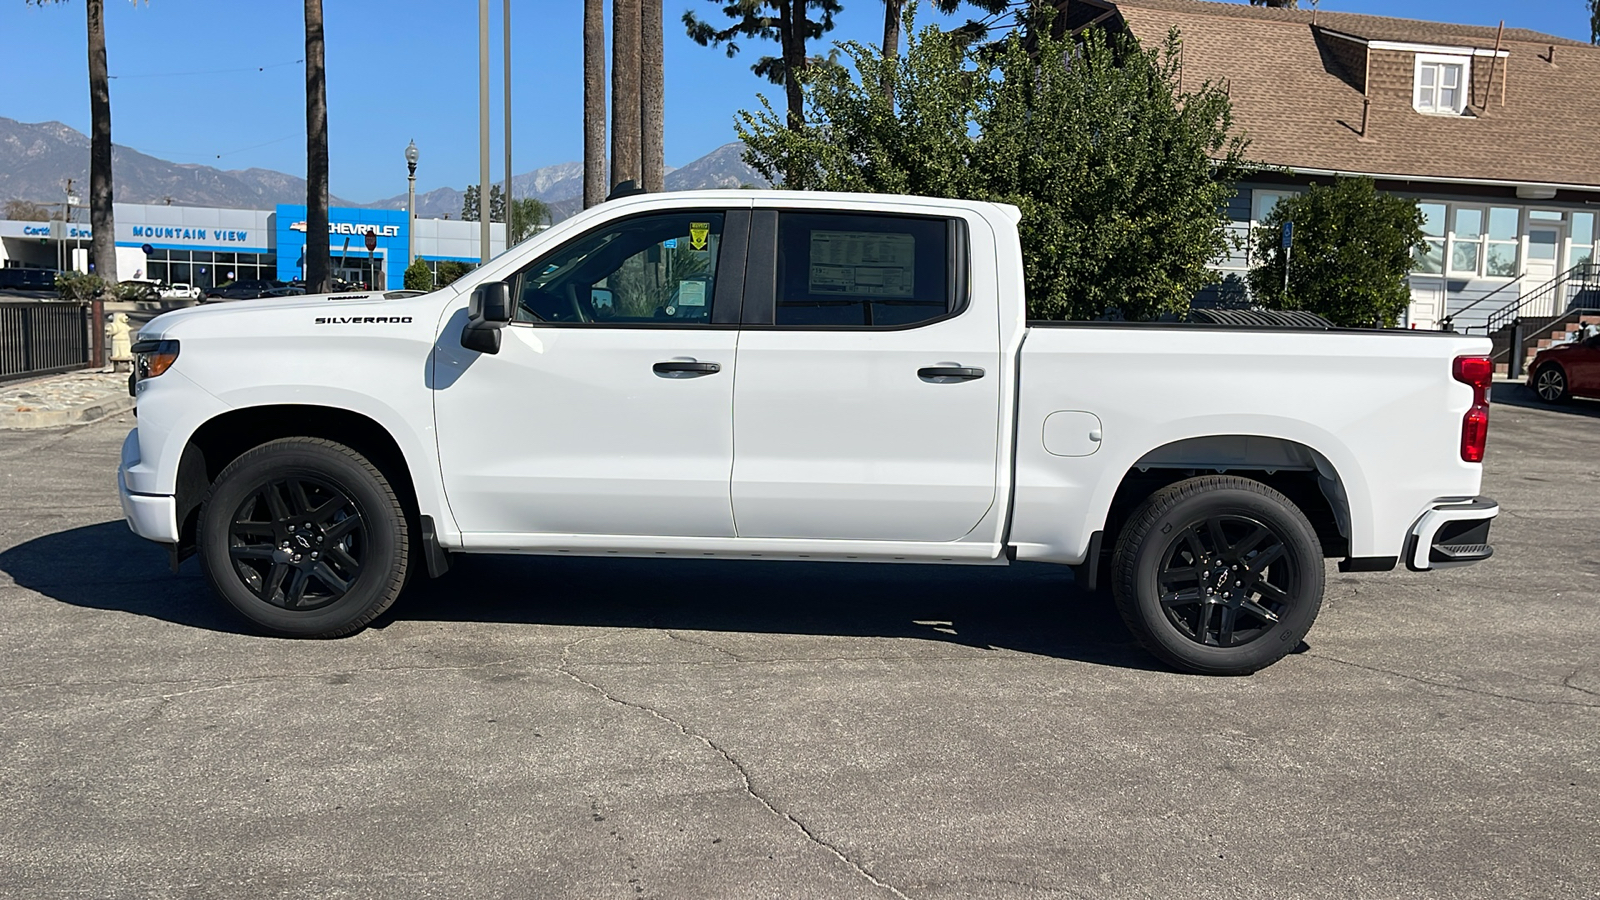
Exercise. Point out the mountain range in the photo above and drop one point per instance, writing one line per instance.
(36, 159)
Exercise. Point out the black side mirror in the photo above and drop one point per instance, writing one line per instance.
(488, 310)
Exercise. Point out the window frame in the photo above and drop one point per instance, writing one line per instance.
(1439, 62)
(727, 292)
(761, 274)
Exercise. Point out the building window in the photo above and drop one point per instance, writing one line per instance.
(1430, 259)
(1581, 252)
(1441, 84)
(1467, 241)
(1500, 258)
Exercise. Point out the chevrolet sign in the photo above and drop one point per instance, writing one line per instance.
(352, 228)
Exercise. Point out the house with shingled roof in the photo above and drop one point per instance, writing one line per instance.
(1491, 130)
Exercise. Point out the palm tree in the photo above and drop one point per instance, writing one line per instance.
(103, 240)
(652, 89)
(594, 103)
(318, 280)
(625, 119)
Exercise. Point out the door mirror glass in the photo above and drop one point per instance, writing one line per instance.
(604, 302)
(490, 303)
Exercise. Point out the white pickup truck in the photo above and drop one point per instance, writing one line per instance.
(783, 375)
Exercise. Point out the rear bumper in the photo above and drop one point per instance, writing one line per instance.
(1451, 534)
(150, 516)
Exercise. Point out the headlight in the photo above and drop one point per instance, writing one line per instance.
(151, 358)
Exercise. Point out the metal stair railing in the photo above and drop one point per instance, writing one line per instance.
(1448, 323)
(1560, 293)
(1525, 337)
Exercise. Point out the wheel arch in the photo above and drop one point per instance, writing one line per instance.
(223, 438)
(1297, 470)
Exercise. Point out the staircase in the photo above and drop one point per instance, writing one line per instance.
(1545, 315)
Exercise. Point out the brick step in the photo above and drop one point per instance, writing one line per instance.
(1589, 320)
(1502, 370)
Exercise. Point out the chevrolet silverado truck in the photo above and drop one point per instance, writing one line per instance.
(794, 376)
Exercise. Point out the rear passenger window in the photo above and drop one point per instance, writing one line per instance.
(840, 270)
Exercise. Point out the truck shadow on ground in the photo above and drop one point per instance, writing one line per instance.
(1030, 608)
(1509, 393)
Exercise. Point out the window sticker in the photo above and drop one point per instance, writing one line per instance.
(691, 293)
(698, 232)
(858, 263)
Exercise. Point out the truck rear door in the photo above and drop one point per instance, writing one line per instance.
(867, 404)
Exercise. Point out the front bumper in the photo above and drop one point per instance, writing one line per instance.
(1452, 533)
(150, 516)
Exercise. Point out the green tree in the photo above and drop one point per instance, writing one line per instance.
(1352, 248)
(470, 204)
(1594, 21)
(1281, 4)
(1120, 176)
(102, 242)
(450, 270)
(788, 22)
(528, 215)
(418, 276)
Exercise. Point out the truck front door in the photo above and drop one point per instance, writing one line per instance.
(608, 408)
(868, 400)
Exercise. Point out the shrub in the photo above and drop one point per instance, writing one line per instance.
(418, 276)
(1352, 248)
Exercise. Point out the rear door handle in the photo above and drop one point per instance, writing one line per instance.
(955, 373)
(685, 368)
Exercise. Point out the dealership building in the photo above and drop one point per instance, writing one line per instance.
(209, 247)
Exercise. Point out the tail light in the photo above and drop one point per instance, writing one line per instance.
(1477, 372)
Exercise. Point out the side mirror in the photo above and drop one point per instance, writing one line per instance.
(603, 302)
(490, 303)
(488, 310)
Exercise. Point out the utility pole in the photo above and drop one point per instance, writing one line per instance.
(483, 131)
(510, 207)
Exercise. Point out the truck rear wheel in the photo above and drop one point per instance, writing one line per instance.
(1218, 575)
(304, 537)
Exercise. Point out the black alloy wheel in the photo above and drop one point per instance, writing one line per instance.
(1550, 383)
(305, 537)
(1226, 581)
(1218, 575)
(297, 542)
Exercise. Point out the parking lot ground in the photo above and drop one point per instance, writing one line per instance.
(535, 727)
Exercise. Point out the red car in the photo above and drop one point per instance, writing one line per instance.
(1568, 370)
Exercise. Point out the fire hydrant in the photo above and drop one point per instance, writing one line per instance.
(117, 334)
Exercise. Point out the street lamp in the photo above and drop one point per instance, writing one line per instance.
(411, 203)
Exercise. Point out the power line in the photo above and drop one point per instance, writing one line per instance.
(210, 71)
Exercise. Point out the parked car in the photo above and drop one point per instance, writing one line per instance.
(31, 280)
(180, 291)
(577, 396)
(139, 289)
(286, 291)
(1568, 370)
(243, 290)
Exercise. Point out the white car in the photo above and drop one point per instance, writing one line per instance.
(784, 375)
(179, 291)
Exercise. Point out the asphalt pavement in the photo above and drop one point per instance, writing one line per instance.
(534, 727)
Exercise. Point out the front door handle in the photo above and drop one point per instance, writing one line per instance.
(954, 373)
(675, 368)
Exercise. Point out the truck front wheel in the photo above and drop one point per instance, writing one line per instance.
(1218, 575)
(305, 537)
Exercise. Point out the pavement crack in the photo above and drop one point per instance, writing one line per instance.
(1567, 682)
(1465, 690)
(707, 644)
(739, 767)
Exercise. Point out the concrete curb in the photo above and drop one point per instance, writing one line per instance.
(93, 411)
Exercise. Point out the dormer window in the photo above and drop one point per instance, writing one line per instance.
(1441, 84)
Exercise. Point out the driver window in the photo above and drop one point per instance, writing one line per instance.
(656, 269)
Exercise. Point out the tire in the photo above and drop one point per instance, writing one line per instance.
(305, 538)
(1550, 383)
(1239, 531)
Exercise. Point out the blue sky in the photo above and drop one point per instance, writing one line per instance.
(404, 69)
